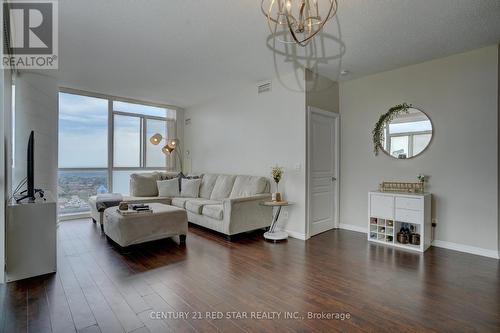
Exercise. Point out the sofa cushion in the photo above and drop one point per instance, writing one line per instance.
(245, 186)
(223, 187)
(213, 211)
(207, 185)
(190, 188)
(168, 188)
(196, 205)
(144, 184)
(180, 202)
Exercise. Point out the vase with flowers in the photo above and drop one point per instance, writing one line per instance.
(277, 174)
(422, 179)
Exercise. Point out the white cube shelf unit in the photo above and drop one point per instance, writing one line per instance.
(388, 212)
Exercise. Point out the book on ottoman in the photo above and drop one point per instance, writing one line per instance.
(134, 212)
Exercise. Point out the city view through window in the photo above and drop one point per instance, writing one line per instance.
(83, 147)
(75, 188)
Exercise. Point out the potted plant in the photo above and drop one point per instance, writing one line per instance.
(277, 174)
(422, 179)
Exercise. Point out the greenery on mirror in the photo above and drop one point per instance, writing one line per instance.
(385, 119)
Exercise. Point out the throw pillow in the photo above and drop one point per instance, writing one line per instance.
(190, 188)
(144, 184)
(182, 176)
(168, 188)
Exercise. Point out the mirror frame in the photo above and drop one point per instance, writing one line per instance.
(386, 118)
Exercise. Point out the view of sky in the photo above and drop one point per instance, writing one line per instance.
(83, 131)
(142, 109)
(409, 127)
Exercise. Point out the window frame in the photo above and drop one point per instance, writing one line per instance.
(171, 127)
(144, 139)
(410, 136)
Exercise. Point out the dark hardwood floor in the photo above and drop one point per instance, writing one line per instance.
(99, 288)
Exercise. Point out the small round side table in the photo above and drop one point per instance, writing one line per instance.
(273, 234)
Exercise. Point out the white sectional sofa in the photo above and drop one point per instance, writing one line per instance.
(229, 204)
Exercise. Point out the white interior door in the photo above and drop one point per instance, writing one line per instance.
(323, 140)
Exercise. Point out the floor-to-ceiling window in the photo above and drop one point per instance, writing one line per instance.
(102, 140)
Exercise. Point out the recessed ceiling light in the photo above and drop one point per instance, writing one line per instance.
(344, 72)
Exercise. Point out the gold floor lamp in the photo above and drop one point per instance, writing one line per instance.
(172, 145)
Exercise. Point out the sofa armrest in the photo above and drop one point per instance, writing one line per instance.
(246, 214)
(257, 197)
(94, 214)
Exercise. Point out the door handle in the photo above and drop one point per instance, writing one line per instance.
(334, 179)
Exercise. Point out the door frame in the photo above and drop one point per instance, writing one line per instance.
(336, 203)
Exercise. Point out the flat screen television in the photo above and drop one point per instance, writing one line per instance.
(30, 174)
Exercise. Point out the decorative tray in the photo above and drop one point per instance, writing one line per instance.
(402, 187)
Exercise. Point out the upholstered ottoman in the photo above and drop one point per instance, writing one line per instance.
(165, 221)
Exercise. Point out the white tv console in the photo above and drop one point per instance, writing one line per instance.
(31, 239)
(388, 211)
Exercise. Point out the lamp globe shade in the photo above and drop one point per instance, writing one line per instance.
(167, 150)
(156, 139)
(173, 143)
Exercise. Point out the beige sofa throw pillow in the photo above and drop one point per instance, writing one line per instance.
(168, 188)
(190, 188)
(144, 184)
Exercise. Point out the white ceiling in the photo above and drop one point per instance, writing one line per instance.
(184, 52)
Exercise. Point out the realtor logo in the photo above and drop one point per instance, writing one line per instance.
(30, 35)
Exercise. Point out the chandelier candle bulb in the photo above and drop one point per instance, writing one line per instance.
(303, 19)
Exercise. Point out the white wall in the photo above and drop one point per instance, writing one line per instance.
(5, 157)
(179, 133)
(2, 178)
(246, 133)
(37, 109)
(460, 94)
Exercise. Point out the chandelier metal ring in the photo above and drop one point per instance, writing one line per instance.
(303, 18)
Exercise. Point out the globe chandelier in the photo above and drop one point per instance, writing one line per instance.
(303, 19)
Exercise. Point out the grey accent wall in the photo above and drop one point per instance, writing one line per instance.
(322, 92)
(460, 95)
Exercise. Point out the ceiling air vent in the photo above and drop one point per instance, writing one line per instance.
(263, 87)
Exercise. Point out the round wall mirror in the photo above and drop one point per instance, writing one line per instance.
(407, 135)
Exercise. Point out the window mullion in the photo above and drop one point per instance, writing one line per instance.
(143, 143)
(111, 138)
(410, 145)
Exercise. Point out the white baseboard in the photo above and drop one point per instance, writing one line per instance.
(353, 227)
(71, 217)
(297, 235)
(439, 243)
(467, 249)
